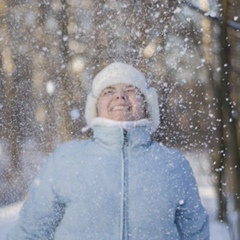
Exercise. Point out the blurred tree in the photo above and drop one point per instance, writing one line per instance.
(10, 126)
(65, 84)
(227, 155)
(230, 147)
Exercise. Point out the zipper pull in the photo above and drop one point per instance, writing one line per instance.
(125, 137)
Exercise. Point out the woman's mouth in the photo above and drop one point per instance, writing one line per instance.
(120, 108)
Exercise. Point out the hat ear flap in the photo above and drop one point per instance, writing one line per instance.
(153, 108)
(90, 109)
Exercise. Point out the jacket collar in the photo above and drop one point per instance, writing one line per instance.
(116, 133)
(99, 121)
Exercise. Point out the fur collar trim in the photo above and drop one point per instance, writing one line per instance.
(98, 121)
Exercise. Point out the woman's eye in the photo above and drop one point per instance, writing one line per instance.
(131, 90)
(108, 92)
(134, 91)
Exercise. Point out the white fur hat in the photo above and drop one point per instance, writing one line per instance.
(121, 73)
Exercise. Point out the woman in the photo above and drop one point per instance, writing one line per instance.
(120, 184)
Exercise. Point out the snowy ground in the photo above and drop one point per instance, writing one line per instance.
(200, 164)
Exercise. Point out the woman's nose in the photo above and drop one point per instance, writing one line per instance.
(120, 95)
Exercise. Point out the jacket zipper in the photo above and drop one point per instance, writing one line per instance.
(124, 188)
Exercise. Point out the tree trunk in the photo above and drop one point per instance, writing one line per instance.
(10, 118)
(226, 108)
(65, 100)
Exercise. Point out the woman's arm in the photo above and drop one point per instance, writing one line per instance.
(42, 210)
(191, 218)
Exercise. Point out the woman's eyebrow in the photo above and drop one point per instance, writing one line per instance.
(107, 88)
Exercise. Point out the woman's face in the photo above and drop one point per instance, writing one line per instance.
(121, 102)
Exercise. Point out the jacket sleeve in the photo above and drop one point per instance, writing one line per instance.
(191, 217)
(42, 211)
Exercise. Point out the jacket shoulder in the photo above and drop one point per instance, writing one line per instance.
(167, 152)
(71, 146)
(172, 158)
(71, 151)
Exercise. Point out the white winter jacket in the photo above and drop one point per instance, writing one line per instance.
(118, 186)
